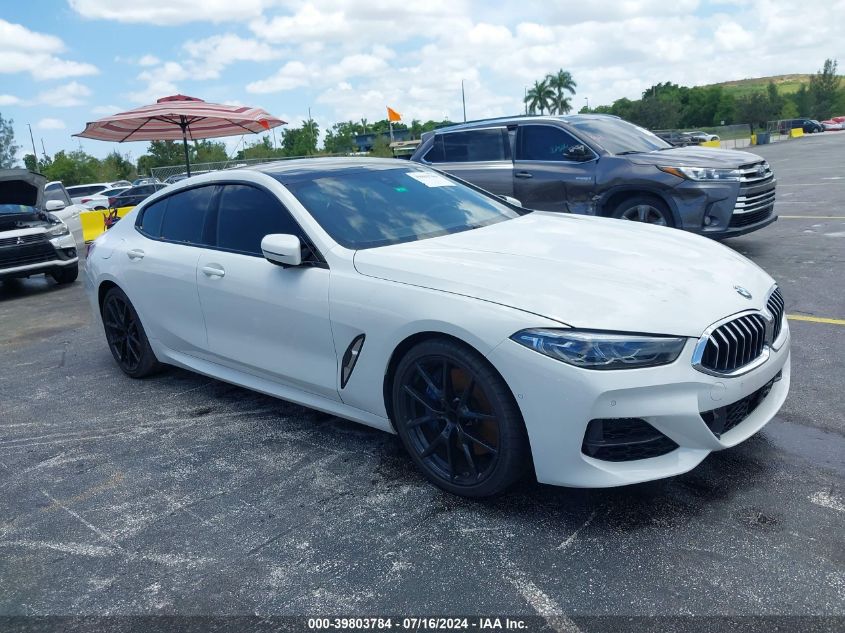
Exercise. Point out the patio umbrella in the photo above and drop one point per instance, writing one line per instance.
(180, 116)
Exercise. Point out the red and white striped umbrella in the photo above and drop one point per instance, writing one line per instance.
(180, 116)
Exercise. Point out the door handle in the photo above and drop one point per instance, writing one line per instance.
(523, 174)
(213, 270)
(135, 253)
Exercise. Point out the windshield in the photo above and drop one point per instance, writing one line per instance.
(618, 136)
(12, 209)
(362, 207)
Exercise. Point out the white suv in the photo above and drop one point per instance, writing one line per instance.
(33, 241)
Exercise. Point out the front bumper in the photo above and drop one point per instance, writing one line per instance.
(558, 401)
(55, 254)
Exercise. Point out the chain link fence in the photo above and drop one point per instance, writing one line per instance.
(178, 172)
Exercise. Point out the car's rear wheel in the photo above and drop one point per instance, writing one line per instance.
(458, 419)
(66, 275)
(126, 337)
(644, 209)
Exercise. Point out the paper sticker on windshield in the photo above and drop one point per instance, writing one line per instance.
(430, 179)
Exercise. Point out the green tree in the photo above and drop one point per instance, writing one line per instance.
(8, 149)
(789, 110)
(207, 151)
(824, 90)
(561, 82)
(776, 101)
(162, 154)
(803, 101)
(30, 162)
(341, 138)
(116, 166)
(753, 108)
(539, 97)
(381, 147)
(301, 141)
(72, 168)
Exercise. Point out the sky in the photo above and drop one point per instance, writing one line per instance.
(66, 62)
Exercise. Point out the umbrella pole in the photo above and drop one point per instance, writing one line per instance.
(185, 145)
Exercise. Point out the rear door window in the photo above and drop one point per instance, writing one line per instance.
(246, 214)
(470, 146)
(185, 215)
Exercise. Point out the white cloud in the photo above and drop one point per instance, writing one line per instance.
(211, 55)
(9, 100)
(170, 12)
(66, 95)
(50, 124)
(105, 110)
(291, 75)
(149, 60)
(23, 50)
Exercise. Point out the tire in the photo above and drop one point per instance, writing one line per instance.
(66, 275)
(467, 438)
(646, 209)
(126, 336)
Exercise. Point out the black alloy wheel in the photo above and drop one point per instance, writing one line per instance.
(458, 419)
(126, 337)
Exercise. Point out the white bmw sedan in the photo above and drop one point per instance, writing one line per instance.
(490, 338)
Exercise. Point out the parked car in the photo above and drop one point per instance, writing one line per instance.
(33, 241)
(175, 178)
(601, 165)
(78, 192)
(831, 125)
(134, 195)
(100, 201)
(809, 126)
(145, 180)
(490, 338)
(61, 205)
(697, 136)
(676, 138)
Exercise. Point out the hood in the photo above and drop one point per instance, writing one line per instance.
(586, 272)
(21, 187)
(696, 157)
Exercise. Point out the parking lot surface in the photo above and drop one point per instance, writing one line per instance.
(185, 495)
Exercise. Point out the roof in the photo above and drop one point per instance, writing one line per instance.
(308, 166)
(521, 118)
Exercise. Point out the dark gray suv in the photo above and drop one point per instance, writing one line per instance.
(601, 165)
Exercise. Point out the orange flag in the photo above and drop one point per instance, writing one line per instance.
(393, 115)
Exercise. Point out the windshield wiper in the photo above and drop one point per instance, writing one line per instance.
(630, 151)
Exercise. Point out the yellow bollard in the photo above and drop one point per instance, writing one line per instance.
(711, 144)
(796, 132)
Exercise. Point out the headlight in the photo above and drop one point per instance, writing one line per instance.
(702, 173)
(602, 350)
(58, 230)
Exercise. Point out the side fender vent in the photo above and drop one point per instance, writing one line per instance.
(350, 357)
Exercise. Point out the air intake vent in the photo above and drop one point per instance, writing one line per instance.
(350, 357)
(776, 306)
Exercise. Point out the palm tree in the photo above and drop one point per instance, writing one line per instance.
(560, 82)
(539, 97)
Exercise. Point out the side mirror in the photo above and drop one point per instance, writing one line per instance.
(513, 201)
(281, 249)
(579, 152)
(54, 205)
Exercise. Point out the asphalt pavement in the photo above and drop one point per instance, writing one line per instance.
(186, 496)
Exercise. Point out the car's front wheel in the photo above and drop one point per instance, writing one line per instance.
(126, 337)
(66, 275)
(458, 419)
(644, 209)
